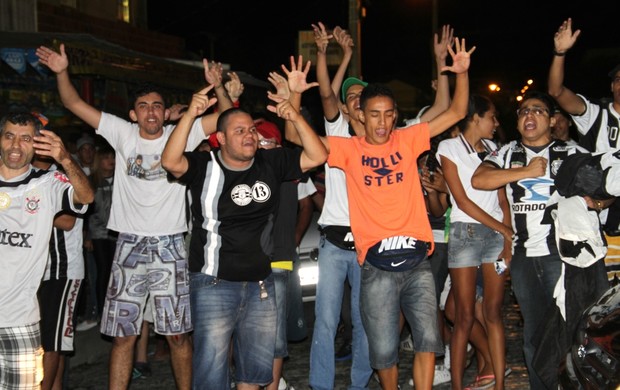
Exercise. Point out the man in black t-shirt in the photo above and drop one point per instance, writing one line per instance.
(235, 191)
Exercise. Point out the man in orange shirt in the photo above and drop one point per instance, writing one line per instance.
(390, 225)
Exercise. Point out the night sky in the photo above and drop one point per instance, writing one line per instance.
(514, 39)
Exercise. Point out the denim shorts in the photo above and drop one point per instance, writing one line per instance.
(280, 280)
(472, 244)
(383, 295)
(225, 312)
(147, 266)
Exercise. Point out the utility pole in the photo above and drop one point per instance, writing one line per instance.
(355, 28)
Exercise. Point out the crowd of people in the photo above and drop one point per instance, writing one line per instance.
(195, 213)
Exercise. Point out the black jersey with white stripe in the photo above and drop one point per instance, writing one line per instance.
(233, 212)
(530, 197)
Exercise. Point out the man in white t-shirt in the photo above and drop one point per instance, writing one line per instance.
(148, 211)
(29, 200)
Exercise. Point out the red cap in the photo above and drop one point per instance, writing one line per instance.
(268, 130)
(212, 140)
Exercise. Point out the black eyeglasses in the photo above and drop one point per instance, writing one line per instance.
(536, 111)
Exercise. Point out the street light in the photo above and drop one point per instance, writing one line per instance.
(494, 87)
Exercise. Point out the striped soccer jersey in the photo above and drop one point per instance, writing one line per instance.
(599, 125)
(28, 205)
(530, 197)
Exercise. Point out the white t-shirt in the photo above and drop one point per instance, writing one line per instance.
(336, 206)
(28, 204)
(144, 201)
(305, 189)
(466, 159)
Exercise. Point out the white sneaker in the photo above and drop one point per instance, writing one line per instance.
(442, 375)
(446, 357)
(407, 344)
(282, 385)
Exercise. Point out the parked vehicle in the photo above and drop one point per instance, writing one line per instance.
(594, 359)
(308, 255)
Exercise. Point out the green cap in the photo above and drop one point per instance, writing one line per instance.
(348, 83)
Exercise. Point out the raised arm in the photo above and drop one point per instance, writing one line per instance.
(234, 87)
(49, 144)
(172, 158)
(345, 41)
(442, 94)
(213, 76)
(297, 84)
(329, 99)
(458, 108)
(71, 99)
(314, 152)
(490, 177)
(563, 41)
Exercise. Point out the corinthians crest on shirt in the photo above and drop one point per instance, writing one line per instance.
(32, 199)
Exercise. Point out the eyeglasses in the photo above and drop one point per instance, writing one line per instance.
(266, 142)
(537, 111)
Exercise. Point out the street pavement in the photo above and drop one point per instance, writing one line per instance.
(89, 368)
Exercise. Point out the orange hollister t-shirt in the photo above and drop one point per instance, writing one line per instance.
(383, 185)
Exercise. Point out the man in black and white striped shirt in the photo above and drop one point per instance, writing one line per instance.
(527, 168)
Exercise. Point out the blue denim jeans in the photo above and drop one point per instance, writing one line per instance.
(533, 281)
(383, 295)
(223, 310)
(280, 281)
(335, 265)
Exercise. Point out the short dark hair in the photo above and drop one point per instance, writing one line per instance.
(144, 89)
(478, 104)
(375, 90)
(222, 120)
(543, 97)
(22, 119)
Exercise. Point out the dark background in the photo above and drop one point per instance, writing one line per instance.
(514, 39)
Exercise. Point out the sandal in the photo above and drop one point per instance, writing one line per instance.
(482, 386)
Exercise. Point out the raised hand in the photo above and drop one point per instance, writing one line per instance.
(344, 39)
(461, 59)
(321, 37)
(440, 46)
(281, 85)
(53, 60)
(297, 77)
(176, 111)
(200, 102)
(285, 110)
(213, 72)
(234, 86)
(49, 144)
(564, 38)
